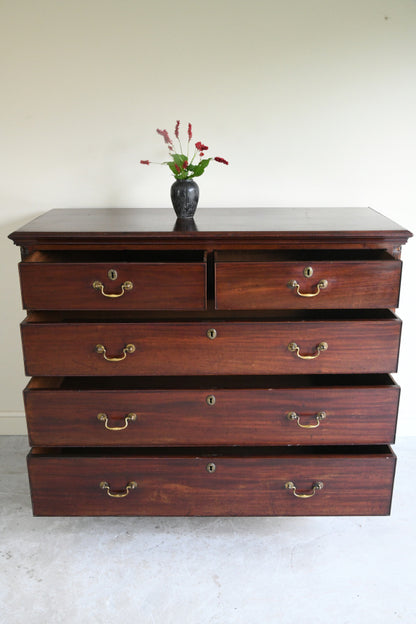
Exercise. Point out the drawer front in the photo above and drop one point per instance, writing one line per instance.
(212, 416)
(240, 348)
(138, 286)
(283, 285)
(358, 484)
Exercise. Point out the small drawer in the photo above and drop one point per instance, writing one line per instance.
(313, 279)
(125, 280)
(242, 411)
(213, 482)
(366, 342)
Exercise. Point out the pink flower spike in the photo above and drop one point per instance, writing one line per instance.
(145, 162)
(165, 135)
(189, 131)
(185, 164)
(177, 129)
(221, 160)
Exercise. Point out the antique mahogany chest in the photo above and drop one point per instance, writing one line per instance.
(238, 364)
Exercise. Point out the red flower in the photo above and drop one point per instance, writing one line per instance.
(165, 135)
(178, 161)
(201, 147)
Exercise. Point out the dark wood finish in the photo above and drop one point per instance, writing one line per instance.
(239, 260)
(177, 414)
(265, 285)
(250, 224)
(69, 286)
(245, 485)
(183, 348)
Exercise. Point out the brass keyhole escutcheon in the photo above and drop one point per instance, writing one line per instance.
(112, 274)
(211, 467)
(308, 271)
(212, 333)
(211, 399)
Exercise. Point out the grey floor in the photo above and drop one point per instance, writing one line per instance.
(205, 570)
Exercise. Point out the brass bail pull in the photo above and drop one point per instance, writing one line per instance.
(318, 417)
(97, 285)
(317, 485)
(130, 348)
(129, 417)
(322, 346)
(131, 485)
(320, 286)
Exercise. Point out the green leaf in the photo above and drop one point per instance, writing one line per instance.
(172, 167)
(199, 169)
(179, 159)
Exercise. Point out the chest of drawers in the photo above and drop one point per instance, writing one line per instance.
(238, 364)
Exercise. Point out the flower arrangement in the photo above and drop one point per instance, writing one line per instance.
(181, 165)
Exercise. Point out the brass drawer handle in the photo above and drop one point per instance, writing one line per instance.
(317, 485)
(130, 348)
(320, 286)
(124, 287)
(322, 346)
(319, 416)
(104, 418)
(131, 485)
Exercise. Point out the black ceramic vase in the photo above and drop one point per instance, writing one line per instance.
(184, 195)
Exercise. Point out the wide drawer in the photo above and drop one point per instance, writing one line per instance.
(312, 279)
(331, 344)
(114, 281)
(214, 483)
(305, 410)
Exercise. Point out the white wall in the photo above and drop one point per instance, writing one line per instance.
(312, 101)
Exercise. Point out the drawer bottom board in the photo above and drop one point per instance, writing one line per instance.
(214, 482)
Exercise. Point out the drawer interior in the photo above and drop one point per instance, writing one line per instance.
(128, 316)
(124, 255)
(382, 450)
(281, 255)
(236, 382)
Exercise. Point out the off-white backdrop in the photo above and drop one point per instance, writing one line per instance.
(312, 101)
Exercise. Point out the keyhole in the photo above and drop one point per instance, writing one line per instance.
(308, 271)
(211, 399)
(112, 274)
(212, 333)
(211, 467)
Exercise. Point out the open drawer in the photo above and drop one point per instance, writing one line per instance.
(246, 280)
(216, 411)
(114, 280)
(307, 342)
(213, 482)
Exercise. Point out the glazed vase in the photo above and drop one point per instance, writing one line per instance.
(184, 195)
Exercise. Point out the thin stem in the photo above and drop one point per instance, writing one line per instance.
(193, 157)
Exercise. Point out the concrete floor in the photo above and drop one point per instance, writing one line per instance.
(205, 570)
